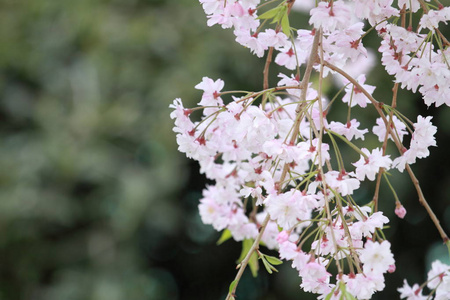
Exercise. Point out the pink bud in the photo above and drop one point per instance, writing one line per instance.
(283, 236)
(400, 211)
(391, 269)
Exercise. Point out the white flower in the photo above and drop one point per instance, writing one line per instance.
(377, 257)
(380, 129)
(367, 225)
(330, 17)
(436, 274)
(371, 165)
(355, 96)
(349, 130)
(443, 290)
(411, 293)
(315, 277)
(344, 184)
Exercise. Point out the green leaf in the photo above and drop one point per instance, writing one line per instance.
(246, 245)
(270, 13)
(280, 14)
(344, 294)
(266, 265)
(226, 235)
(273, 260)
(253, 264)
(285, 25)
(349, 296)
(328, 297)
(232, 285)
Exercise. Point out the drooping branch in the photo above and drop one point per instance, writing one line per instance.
(400, 147)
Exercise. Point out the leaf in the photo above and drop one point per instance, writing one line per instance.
(232, 285)
(226, 235)
(328, 297)
(253, 263)
(266, 265)
(344, 294)
(270, 13)
(350, 296)
(273, 260)
(285, 25)
(280, 14)
(246, 245)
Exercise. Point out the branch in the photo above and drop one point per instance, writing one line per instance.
(244, 262)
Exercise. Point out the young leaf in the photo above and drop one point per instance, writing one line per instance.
(349, 296)
(270, 13)
(281, 12)
(253, 263)
(266, 265)
(285, 25)
(232, 285)
(273, 260)
(328, 297)
(226, 235)
(246, 245)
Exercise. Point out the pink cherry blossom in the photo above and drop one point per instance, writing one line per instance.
(315, 277)
(371, 164)
(331, 17)
(380, 129)
(354, 96)
(349, 130)
(411, 293)
(437, 273)
(377, 257)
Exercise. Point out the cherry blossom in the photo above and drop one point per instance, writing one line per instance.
(354, 96)
(276, 156)
(371, 164)
(377, 257)
(411, 293)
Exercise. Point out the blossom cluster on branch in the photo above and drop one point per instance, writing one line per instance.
(276, 159)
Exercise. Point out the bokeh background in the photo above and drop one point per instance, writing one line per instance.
(95, 201)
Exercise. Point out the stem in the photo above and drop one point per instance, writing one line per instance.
(424, 202)
(319, 151)
(244, 263)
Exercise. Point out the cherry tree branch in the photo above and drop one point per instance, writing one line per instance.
(245, 261)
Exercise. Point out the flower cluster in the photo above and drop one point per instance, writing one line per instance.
(274, 157)
(438, 282)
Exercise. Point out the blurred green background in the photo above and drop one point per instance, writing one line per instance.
(95, 201)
